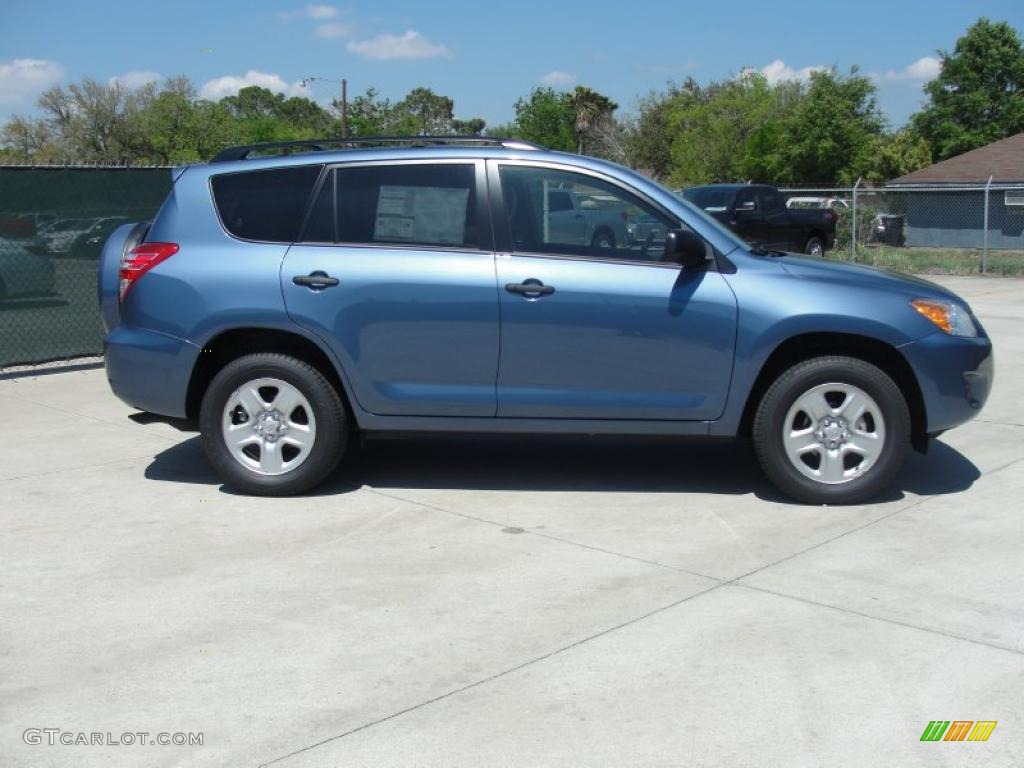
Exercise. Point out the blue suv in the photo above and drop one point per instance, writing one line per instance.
(290, 301)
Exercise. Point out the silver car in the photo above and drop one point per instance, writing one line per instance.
(22, 272)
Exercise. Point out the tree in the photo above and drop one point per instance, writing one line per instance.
(544, 117)
(728, 130)
(29, 140)
(97, 122)
(179, 129)
(978, 96)
(472, 127)
(368, 114)
(831, 133)
(423, 112)
(649, 137)
(899, 153)
(592, 113)
(263, 115)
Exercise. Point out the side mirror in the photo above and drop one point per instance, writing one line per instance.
(685, 248)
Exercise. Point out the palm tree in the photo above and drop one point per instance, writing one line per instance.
(591, 109)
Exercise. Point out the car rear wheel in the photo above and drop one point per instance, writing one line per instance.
(832, 430)
(815, 246)
(603, 239)
(272, 425)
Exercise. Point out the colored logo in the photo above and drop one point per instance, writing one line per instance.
(958, 730)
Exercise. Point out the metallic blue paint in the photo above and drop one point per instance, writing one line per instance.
(614, 341)
(149, 370)
(428, 339)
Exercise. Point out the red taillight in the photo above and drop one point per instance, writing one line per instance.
(140, 259)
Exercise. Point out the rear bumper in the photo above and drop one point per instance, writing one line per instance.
(955, 375)
(149, 370)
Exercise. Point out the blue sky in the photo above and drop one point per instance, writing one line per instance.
(484, 55)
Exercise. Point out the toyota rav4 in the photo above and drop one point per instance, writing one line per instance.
(289, 301)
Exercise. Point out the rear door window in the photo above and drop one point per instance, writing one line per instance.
(265, 205)
(423, 204)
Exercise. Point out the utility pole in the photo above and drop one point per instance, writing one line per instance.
(344, 108)
(344, 98)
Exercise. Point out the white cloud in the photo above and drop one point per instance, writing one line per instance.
(411, 45)
(779, 71)
(316, 12)
(229, 85)
(135, 79)
(333, 29)
(924, 69)
(320, 12)
(21, 79)
(556, 78)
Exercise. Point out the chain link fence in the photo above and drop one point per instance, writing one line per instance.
(53, 222)
(958, 229)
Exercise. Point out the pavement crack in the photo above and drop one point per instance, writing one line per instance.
(497, 675)
(862, 614)
(119, 425)
(552, 537)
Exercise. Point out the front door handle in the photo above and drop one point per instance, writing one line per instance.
(531, 288)
(315, 280)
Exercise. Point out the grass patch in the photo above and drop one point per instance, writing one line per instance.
(935, 261)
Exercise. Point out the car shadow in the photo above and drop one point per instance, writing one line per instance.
(588, 464)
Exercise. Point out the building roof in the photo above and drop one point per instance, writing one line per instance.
(1002, 160)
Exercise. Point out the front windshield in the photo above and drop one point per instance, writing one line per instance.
(708, 219)
(714, 199)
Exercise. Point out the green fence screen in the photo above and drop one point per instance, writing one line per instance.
(53, 222)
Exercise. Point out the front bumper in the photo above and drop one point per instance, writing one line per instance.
(955, 375)
(149, 370)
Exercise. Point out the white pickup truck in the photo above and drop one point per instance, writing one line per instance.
(575, 219)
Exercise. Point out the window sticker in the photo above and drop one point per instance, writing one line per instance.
(433, 215)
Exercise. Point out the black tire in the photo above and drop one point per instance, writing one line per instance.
(774, 407)
(332, 424)
(603, 238)
(815, 246)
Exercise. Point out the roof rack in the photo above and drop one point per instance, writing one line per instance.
(319, 145)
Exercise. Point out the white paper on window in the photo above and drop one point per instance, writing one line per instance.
(433, 215)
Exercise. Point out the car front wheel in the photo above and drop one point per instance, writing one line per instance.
(832, 430)
(272, 425)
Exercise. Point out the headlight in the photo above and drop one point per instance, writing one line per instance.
(951, 317)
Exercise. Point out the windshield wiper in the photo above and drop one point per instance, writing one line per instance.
(759, 251)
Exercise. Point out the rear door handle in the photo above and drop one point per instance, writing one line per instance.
(531, 288)
(315, 280)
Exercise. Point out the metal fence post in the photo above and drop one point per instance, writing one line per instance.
(984, 246)
(853, 224)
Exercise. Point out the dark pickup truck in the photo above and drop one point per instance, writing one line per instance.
(758, 214)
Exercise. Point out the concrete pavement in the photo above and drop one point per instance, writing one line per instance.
(506, 601)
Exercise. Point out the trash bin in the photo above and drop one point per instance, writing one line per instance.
(889, 230)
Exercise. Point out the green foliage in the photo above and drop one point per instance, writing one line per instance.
(714, 128)
(592, 114)
(649, 139)
(567, 122)
(545, 117)
(978, 97)
(831, 133)
(897, 154)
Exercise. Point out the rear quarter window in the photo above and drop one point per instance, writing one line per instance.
(410, 204)
(265, 205)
